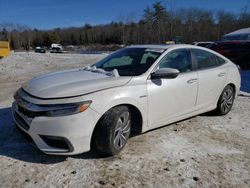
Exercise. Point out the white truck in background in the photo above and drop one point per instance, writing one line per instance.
(56, 48)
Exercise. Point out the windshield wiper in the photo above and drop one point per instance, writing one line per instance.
(113, 73)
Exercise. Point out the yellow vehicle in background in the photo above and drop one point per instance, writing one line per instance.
(170, 42)
(4, 48)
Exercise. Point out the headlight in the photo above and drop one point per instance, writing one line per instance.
(52, 110)
(67, 109)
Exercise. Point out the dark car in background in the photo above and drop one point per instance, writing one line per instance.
(236, 51)
(40, 49)
(236, 47)
(203, 44)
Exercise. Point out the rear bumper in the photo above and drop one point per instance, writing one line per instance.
(64, 135)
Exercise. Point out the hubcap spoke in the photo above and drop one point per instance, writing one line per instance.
(120, 142)
(125, 117)
(123, 140)
(126, 128)
(229, 92)
(118, 125)
(230, 98)
(226, 106)
(116, 141)
(224, 95)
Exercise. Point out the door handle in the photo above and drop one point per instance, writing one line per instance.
(221, 74)
(192, 80)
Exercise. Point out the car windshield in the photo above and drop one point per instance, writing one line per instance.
(130, 61)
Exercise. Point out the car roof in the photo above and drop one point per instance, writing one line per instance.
(159, 46)
(240, 31)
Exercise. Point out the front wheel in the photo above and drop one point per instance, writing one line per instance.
(226, 100)
(112, 131)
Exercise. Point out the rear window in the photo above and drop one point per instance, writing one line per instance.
(206, 59)
(220, 61)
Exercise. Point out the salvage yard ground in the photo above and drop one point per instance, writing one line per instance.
(203, 151)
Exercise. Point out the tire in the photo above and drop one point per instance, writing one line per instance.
(225, 101)
(112, 131)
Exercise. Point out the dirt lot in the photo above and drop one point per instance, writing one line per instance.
(203, 151)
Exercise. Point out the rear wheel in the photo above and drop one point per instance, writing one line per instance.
(226, 100)
(112, 131)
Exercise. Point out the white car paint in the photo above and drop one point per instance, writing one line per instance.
(70, 83)
(159, 102)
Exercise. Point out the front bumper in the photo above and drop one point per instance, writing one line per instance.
(64, 135)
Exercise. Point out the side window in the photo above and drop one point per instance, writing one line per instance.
(178, 59)
(205, 59)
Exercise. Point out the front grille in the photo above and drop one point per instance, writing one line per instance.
(21, 122)
(29, 113)
(25, 107)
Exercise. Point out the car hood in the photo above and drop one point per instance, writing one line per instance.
(71, 83)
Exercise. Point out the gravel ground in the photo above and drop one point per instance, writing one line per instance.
(203, 151)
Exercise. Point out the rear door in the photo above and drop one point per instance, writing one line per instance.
(212, 74)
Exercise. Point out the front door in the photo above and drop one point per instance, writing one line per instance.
(169, 99)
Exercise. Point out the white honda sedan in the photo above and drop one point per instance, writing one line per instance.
(133, 90)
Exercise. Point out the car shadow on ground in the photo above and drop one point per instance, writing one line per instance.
(15, 146)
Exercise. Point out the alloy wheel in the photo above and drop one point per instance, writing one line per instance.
(122, 130)
(227, 100)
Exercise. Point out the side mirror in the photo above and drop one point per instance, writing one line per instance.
(167, 73)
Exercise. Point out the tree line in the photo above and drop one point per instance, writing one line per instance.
(158, 24)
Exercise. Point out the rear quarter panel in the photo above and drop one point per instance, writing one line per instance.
(234, 77)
